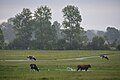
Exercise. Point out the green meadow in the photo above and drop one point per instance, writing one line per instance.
(53, 66)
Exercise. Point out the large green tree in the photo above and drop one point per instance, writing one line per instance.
(22, 28)
(73, 33)
(43, 28)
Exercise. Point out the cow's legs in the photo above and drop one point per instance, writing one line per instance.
(86, 69)
(81, 69)
(78, 69)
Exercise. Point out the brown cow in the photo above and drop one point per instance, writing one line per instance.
(83, 67)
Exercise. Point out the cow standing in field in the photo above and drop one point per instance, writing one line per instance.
(31, 58)
(83, 67)
(104, 56)
(34, 67)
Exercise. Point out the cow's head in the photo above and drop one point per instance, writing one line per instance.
(89, 66)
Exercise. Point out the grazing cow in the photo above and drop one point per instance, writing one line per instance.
(34, 67)
(83, 67)
(104, 56)
(31, 58)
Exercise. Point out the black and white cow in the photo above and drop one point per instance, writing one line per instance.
(104, 56)
(34, 67)
(31, 58)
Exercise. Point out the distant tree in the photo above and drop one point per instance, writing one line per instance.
(43, 28)
(73, 33)
(56, 32)
(1, 39)
(61, 44)
(8, 32)
(22, 28)
(98, 43)
(112, 35)
(90, 34)
(57, 27)
(100, 33)
(18, 44)
(118, 47)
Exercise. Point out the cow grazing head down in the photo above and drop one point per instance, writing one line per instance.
(104, 56)
(31, 58)
(34, 67)
(83, 67)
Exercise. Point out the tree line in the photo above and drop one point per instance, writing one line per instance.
(36, 31)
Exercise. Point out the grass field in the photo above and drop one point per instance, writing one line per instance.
(19, 70)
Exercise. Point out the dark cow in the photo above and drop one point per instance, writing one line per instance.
(34, 67)
(104, 56)
(83, 67)
(31, 58)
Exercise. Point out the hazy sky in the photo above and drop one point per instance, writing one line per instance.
(96, 14)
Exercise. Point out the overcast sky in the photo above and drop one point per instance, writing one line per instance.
(96, 14)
